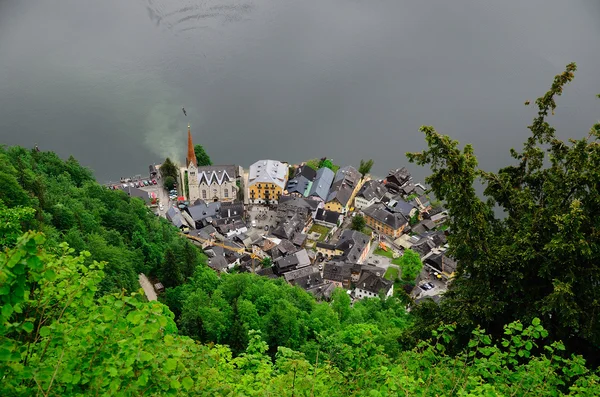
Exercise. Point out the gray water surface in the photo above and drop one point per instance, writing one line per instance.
(288, 79)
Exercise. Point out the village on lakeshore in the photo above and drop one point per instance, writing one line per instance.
(316, 225)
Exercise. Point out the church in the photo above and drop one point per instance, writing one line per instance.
(211, 182)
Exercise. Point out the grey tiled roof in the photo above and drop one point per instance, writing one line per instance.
(352, 243)
(299, 185)
(327, 216)
(322, 183)
(372, 189)
(337, 271)
(382, 214)
(371, 283)
(203, 210)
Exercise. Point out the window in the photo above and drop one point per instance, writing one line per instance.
(225, 192)
(203, 193)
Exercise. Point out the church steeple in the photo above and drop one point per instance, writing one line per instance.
(191, 155)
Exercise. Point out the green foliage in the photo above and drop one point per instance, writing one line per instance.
(382, 252)
(168, 168)
(63, 200)
(169, 183)
(266, 262)
(365, 167)
(410, 264)
(201, 156)
(358, 223)
(326, 163)
(540, 259)
(391, 273)
(58, 338)
(414, 219)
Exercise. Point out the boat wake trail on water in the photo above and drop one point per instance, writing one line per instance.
(185, 16)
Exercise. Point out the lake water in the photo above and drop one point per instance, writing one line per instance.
(289, 80)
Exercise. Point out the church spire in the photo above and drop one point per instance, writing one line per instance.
(191, 155)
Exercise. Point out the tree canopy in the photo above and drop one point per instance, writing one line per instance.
(539, 259)
(358, 223)
(201, 156)
(168, 168)
(365, 167)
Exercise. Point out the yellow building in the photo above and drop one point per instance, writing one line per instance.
(379, 218)
(266, 181)
(345, 186)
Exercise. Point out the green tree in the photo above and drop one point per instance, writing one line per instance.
(266, 262)
(169, 183)
(540, 259)
(340, 303)
(358, 223)
(326, 163)
(411, 265)
(171, 274)
(201, 156)
(365, 167)
(12, 223)
(168, 168)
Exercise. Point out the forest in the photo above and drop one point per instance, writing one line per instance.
(521, 317)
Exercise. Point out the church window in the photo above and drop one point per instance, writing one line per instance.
(203, 194)
(225, 192)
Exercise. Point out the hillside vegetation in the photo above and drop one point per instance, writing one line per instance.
(518, 319)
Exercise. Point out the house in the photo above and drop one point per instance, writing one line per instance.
(343, 189)
(298, 273)
(354, 245)
(405, 208)
(398, 177)
(381, 219)
(327, 250)
(428, 241)
(322, 292)
(338, 273)
(288, 202)
(328, 218)
(370, 193)
(266, 181)
(139, 193)
(202, 212)
(299, 239)
(370, 286)
(174, 216)
(413, 189)
(442, 263)
(301, 183)
(218, 263)
(319, 189)
(288, 263)
(299, 186)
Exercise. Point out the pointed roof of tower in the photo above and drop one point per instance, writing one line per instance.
(191, 154)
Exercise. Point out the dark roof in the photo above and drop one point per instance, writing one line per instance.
(310, 280)
(337, 271)
(139, 193)
(295, 274)
(299, 185)
(442, 262)
(378, 271)
(218, 263)
(401, 206)
(352, 243)
(174, 216)
(429, 224)
(324, 245)
(231, 209)
(327, 216)
(398, 176)
(203, 210)
(371, 283)
(419, 228)
(266, 272)
(286, 247)
(322, 183)
(306, 172)
(346, 179)
(423, 246)
(382, 214)
(208, 229)
(322, 291)
(372, 189)
(299, 239)
(286, 263)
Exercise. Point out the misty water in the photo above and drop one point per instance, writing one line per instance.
(289, 80)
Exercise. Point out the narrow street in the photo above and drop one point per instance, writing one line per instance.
(147, 286)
